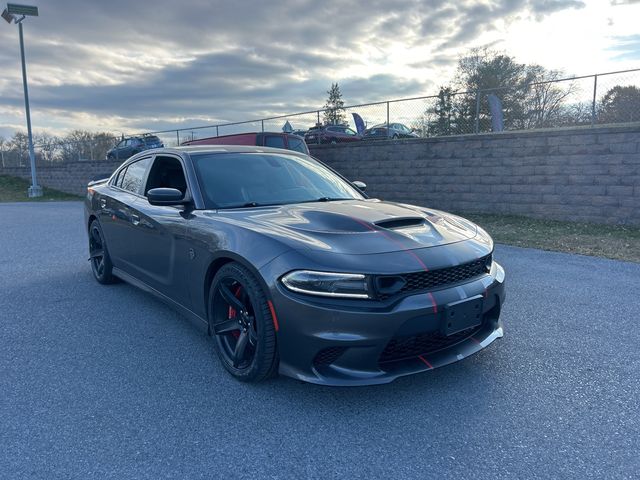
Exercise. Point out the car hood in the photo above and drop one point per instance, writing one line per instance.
(352, 226)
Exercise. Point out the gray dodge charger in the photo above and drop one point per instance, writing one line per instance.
(291, 268)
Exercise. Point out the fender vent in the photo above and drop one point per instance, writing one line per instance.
(395, 223)
(328, 355)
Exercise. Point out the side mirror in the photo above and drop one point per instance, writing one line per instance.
(359, 185)
(165, 196)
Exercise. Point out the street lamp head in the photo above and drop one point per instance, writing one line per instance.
(25, 10)
(7, 16)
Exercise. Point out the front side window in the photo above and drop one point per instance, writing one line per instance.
(132, 178)
(233, 180)
(166, 172)
(348, 131)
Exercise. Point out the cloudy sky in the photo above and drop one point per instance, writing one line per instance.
(124, 66)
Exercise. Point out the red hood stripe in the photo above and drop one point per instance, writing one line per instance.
(425, 361)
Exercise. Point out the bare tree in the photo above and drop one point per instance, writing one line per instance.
(545, 97)
(20, 143)
(47, 145)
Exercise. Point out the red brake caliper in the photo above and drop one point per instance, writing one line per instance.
(232, 311)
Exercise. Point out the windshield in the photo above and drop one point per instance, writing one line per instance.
(233, 180)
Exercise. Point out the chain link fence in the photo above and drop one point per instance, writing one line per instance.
(601, 99)
(593, 100)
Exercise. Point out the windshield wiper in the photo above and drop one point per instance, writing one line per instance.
(330, 199)
(249, 205)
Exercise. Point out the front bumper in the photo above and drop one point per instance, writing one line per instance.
(347, 343)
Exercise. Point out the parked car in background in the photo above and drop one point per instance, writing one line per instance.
(129, 146)
(300, 133)
(288, 141)
(395, 130)
(331, 134)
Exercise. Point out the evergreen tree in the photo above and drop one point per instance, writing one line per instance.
(443, 113)
(620, 104)
(334, 108)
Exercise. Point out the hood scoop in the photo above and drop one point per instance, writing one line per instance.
(399, 223)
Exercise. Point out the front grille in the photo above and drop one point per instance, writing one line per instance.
(400, 348)
(328, 355)
(429, 280)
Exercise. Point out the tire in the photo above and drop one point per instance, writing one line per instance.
(101, 265)
(244, 337)
(395, 136)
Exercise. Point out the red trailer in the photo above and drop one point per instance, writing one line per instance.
(266, 139)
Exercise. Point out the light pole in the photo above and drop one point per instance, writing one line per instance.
(16, 13)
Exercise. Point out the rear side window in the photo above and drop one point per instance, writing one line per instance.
(117, 182)
(274, 141)
(132, 178)
(297, 145)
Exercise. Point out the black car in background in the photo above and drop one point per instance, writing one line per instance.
(291, 268)
(395, 130)
(300, 133)
(129, 146)
(331, 134)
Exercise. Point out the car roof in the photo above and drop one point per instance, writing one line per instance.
(224, 149)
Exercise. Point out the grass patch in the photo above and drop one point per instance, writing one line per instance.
(610, 241)
(14, 189)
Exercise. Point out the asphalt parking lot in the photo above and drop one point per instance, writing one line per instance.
(108, 382)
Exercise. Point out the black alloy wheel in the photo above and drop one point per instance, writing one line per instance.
(99, 255)
(242, 325)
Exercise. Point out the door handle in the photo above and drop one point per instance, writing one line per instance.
(135, 219)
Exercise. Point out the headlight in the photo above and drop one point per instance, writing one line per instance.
(326, 284)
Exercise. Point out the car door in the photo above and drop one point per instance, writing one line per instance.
(118, 150)
(128, 148)
(351, 135)
(137, 145)
(117, 209)
(159, 251)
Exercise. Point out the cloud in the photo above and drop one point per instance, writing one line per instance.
(626, 47)
(142, 63)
